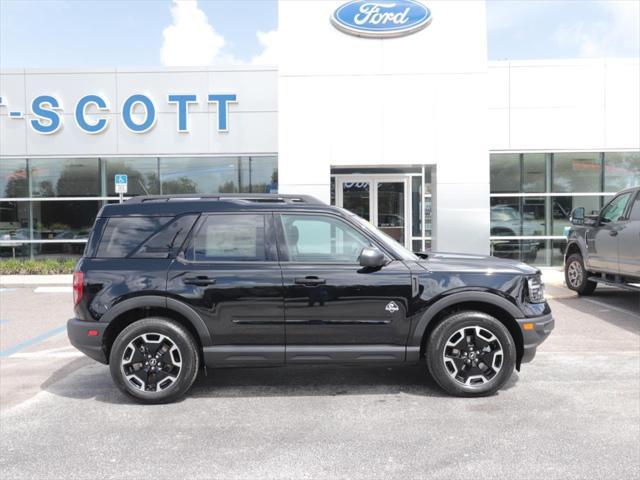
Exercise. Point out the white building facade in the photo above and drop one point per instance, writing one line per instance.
(419, 134)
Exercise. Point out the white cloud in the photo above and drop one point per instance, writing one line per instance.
(191, 41)
(269, 43)
(617, 34)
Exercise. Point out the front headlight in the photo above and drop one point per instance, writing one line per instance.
(535, 289)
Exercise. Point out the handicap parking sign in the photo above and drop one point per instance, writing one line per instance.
(121, 183)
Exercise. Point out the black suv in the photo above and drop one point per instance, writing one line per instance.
(168, 284)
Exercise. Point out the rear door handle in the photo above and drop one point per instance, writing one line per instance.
(310, 281)
(200, 280)
(613, 233)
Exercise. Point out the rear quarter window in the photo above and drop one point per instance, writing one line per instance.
(123, 235)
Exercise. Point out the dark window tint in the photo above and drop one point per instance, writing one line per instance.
(229, 238)
(123, 235)
(171, 237)
(635, 210)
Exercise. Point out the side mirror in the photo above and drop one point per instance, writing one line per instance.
(577, 216)
(371, 257)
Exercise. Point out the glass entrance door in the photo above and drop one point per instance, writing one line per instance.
(390, 209)
(382, 200)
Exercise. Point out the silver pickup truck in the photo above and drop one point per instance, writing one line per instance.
(605, 247)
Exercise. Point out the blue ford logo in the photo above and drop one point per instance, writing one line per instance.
(381, 18)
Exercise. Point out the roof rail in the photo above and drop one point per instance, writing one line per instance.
(235, 198)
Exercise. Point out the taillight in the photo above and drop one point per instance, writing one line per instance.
(78, 289)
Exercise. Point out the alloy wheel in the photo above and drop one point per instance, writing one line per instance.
(151, 362)
(473, 356)
(575, 274)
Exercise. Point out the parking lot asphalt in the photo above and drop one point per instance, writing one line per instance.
(572, 413)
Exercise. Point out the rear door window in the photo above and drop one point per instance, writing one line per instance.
(229, 238)
(123, 235)
(168, 240)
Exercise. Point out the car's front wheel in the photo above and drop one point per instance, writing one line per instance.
(470, 354)
(154, 360)
(576, 276)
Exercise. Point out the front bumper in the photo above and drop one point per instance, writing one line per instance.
(532, 337)
(90, 345)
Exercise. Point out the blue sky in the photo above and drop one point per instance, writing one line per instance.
(95, 33)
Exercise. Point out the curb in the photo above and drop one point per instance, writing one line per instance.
(35, 280)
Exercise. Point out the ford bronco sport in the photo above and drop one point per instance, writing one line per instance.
(168, 285)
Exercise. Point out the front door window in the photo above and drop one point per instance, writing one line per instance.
(322, 239)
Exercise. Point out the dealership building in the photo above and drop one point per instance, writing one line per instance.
(418, 133)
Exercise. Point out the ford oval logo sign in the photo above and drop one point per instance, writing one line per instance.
(381, 18)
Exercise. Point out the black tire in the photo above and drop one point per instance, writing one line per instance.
(181, 359)
(576, 276)
(449, 373)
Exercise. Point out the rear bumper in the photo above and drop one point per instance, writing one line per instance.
(533, 337)
(91, 346)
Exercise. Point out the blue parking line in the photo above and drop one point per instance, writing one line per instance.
(33, 341)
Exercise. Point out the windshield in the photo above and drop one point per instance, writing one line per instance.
(388, 242)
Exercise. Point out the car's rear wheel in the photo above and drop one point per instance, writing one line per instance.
(576, 276)
(470, 354)
(154, 360)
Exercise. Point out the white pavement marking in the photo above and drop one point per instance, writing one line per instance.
(611, 307)
(40, 355)
(62, 352)
(53, 290)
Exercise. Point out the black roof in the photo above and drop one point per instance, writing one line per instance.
(177, 204)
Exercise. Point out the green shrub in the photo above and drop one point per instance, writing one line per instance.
(48, 266)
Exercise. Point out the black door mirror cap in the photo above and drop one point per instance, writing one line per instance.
(371, 257)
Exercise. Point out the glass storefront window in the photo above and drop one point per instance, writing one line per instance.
(621, 170)
(561, 208)
(533, 216)
(259, 175)
(505, 173)
(416, 210)
(577, 172)
(13, 178)
(534, 172)
(506, 220)
(65, 177)
(59, 220)
(142, 172)
(200, 175)
(14, 227)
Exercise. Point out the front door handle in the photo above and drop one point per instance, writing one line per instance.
(613, 233)
(200, 280)
(310, 281)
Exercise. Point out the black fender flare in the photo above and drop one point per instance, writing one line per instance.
(581, 248)
(454, 299)
(159, 301)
